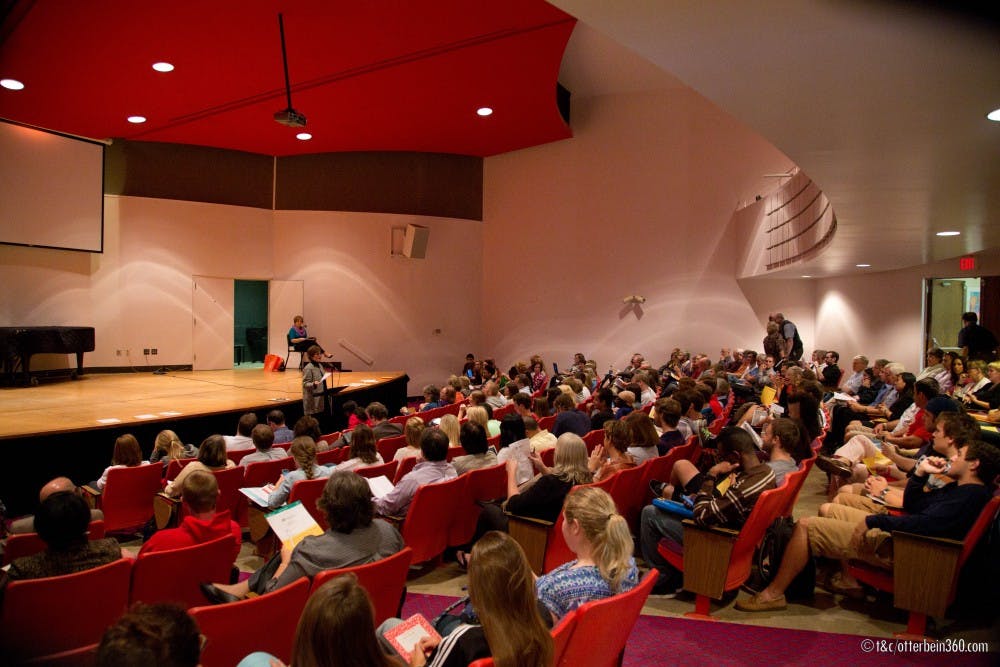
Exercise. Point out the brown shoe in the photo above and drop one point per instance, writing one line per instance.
(835, 466)
(835, 584)
(756, 604)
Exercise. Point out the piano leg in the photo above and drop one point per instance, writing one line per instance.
(79, 365)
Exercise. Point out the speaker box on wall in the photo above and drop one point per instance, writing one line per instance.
(415, 241)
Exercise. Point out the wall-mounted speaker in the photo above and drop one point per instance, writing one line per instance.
(415, 241)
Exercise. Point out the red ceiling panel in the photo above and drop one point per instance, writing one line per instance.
(368, 76)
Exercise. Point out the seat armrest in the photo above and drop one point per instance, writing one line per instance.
(92, 496)
(924, 572)
(165, 510)
(707, 554)
(539, 522)
(718, 530)
(533, 536)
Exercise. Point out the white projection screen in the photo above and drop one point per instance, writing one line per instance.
(51, 189)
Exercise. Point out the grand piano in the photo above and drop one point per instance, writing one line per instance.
(19, 344)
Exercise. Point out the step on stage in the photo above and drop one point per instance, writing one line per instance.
(69, 427)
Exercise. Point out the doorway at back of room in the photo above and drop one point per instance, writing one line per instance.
(250, 323)
(948, 298)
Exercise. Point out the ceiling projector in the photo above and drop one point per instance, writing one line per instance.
(290, 117)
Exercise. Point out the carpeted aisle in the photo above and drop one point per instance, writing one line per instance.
(666, 640)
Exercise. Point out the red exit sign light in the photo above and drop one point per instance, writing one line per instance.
(967, 263)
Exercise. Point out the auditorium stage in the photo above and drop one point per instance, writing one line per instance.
(69, 427)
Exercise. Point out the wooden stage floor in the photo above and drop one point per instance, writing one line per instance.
(115, 400)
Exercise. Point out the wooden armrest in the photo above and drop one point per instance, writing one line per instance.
(533, 536)
(92, 496)
(165, 510)
(707, 552)
(540, 522)
(924, 572)
(689, 524)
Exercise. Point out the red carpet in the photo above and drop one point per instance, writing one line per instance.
(662, 640)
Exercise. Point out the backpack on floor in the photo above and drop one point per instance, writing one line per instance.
(767, 558)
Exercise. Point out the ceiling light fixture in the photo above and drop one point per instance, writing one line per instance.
(862, 266)
(11, 84)
(303, 136)
(994, 115)
(484, 111)
(807, 276)
(163, 67)
(137, 119)
(949, 233)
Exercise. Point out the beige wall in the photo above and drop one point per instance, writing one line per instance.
(637, 202)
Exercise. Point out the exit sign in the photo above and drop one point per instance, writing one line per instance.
(967, 263)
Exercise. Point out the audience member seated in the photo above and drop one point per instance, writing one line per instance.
(848, 533)
(355, 537)
(448, 424)
(336, 628)
(600, 539)
(62, 522)
(783, 443)
(523, 404)
(211, 457)
(476, 397)
(515, 446)
(168, 447)
(263, 439)
(852, 381)
(624, 403)
(432, 399)
(433, 468)
(413, 429)
(612, 457)
(878, 407)
(952, 430)
(730, 510)
(303, 451)
(540, 438)
(935, 369)
(493, 396)
(540, 405)
(477, 450)
(643, 438)
(276, 420)
(668, 416)
(243, 439)
(202, 523)
(127, 454)
(362, 453)
(987, 398)
(972, 380)
(603, 408)
(309, 426)
(923, 391)
(480, 414)
(568, 418)
(26, 524)
(830, 374)
(539, 380)
(156, 635)
(510, 626)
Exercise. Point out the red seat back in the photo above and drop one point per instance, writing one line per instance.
(309, 491)
(229, 628)
(481, 484)
(331, 457)
(794, 481)
(767, 508)
(545, 423)
(977, 530)
(330, 438)
(175, 466)
(55, 614)
(453, 452)
(548, 456)
(603, 626)
(561, 635)
(405, 466)
(266, 472)
(629, 493)
(230, 480)
(26, 544)
(494, 442)
(429, 518)
(127, 500)
(387, 447)
(385, 581)
(500, 413)
(593, 439)
(174, 575)
(387, 469)
(557, 551)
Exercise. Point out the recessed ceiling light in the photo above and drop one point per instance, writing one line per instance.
(484, 111)
(303, 136)
(862, 266)
(807, 276)
(163, 67)
(137, 119)
(11, 84)
(951, 233)
(994, 115)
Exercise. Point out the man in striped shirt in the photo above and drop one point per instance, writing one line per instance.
(730, 507)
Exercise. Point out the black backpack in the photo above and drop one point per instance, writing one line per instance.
(767, 558)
